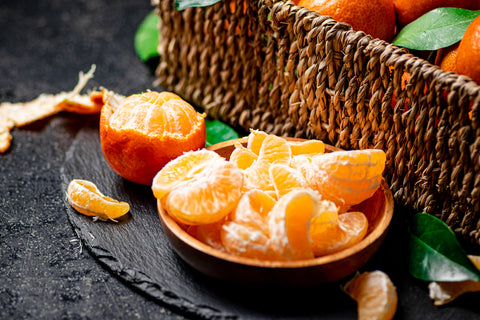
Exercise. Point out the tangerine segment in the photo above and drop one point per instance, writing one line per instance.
(85, 197)
(180, 169)
(208, 234)
(242, 157)
(252, 209)
(375, 295)
(289, 223)
(347, 177)
(308, 147)
(255, 140)
(247, 241)
(349, 229)
(273, 150)
(142, 132)
(285, 179)
(207, 195)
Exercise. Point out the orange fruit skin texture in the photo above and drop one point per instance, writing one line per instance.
(148, 130)
(374, 17)
(468, 56)
(409, 10)
(449, 59)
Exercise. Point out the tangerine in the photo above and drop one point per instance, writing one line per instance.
(346, 177)
(375, 17)
(375, 295)
(143, 132)
(273, 149)
(85, 197)
(468, 56)
(336, 232)
(408, 10)
(289, 223)
(448, 60)
(204, 191)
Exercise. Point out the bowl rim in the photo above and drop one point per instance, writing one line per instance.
(380, 229)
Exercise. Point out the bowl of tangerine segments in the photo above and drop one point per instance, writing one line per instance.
(269, 210)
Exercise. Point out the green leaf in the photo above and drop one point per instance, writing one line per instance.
(184, 4)
(435, 253)
(436, 29)
(146, 38)
(218, 131)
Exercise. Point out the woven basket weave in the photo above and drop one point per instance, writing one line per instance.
(287, 70)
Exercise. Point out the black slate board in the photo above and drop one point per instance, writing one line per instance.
(137, 252)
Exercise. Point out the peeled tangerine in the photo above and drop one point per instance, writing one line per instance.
(199, 187)
(274, 199)
(375, 295)
(85, 197)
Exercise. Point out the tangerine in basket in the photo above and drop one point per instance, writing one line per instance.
(375, 17)
(143, 132)
(408, 10)
(468, 52)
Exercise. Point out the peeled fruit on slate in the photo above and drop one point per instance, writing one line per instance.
(85, 197)
(143, 132)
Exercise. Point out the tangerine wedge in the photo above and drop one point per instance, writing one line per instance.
(248, 241)
(242, 157)
(289, 223)
(273, 150)
(204, 193)
(85, 197)
(337, 232)
(346, 177)
(182, 168)
(285, 179)
(375, 295)
(310, 147)
(252, 209)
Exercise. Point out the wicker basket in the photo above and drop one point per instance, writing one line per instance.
(286, 70)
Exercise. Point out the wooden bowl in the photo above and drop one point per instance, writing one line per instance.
(305, 273)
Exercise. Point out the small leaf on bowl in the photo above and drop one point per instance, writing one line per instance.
(218, 131)
(184, 4)
(146, 37)
(435, 253)
(436, 29)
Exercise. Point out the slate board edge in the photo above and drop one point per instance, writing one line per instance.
(131, 276)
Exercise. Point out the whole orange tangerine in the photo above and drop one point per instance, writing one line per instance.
(408, 10)
(143, 132)
(468, 53)
(375, 17)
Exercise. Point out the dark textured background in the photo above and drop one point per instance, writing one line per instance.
(45, 273)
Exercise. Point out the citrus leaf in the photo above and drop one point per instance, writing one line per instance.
(436, 29)
(218, 131)
(435, 253)
(184, 4)
(146, 37)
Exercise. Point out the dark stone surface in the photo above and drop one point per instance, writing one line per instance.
(45, 272)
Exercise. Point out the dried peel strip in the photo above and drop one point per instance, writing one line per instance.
(45, 105)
